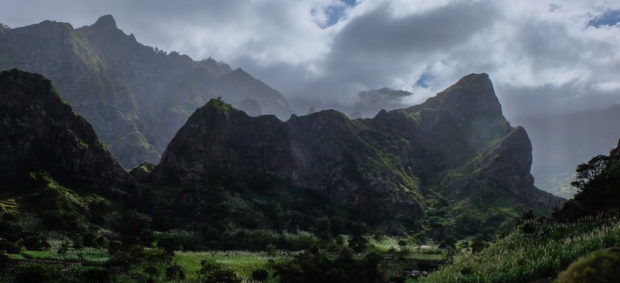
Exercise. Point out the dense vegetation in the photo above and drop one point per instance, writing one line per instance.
(355, 202)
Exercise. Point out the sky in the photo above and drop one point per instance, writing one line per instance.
(543, 56)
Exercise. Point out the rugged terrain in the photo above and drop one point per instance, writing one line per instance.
(135, 96)
(450, 164)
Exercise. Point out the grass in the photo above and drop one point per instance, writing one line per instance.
(413, 251)
(241, 262)
(86, 255)
(536, 251)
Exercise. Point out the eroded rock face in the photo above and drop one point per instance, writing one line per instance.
(40, 132)
(456, 144)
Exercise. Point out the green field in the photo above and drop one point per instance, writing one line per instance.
(241, 262)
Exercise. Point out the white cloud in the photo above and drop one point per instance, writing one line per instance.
(611, 86)
(532, 49)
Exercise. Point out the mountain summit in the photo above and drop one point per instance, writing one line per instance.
(106, 21)
(454, 151)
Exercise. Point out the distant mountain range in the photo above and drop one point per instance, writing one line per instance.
(135, 96)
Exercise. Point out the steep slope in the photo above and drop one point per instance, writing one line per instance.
(350, 164)
(135, 96)
(67, 59)
(40, 132)
(469, 145)
(447, 159)
(55, 174)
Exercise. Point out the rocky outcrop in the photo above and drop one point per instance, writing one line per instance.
(40, 132)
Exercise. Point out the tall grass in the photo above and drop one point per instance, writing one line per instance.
(534, 251)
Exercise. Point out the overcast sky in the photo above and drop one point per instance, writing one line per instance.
(541, 55)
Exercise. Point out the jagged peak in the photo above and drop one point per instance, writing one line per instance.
(472, 94)
(105, 21)
(217, 105)
(480, 83)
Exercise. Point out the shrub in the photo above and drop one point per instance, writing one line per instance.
(169, 244)
(35, 243)
(259, 275)
(9, 247)
(95, 274)
(212, 272)
(37, 273)
(175, 272)
(4, 259)
(598, 267)
(62, 249)
(88, 239)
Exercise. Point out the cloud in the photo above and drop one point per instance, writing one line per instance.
(554, 55)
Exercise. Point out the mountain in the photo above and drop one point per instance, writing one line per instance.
(562, 141)
(135, 96)
(54, 172)
(451, 164)
(40, 132)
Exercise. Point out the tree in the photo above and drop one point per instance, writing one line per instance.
(587, 172)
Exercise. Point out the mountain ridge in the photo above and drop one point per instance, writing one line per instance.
(124, 88)
(456, 146)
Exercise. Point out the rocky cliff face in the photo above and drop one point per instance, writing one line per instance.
(40, 132)
(463, 146)
(344, 160)
(456, 146)
(135, 96)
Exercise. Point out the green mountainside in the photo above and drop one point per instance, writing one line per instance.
(135, 96)
(41, 133)
(55, 174)
(580, 244)
(452, 166)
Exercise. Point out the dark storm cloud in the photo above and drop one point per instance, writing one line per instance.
(381, 32)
